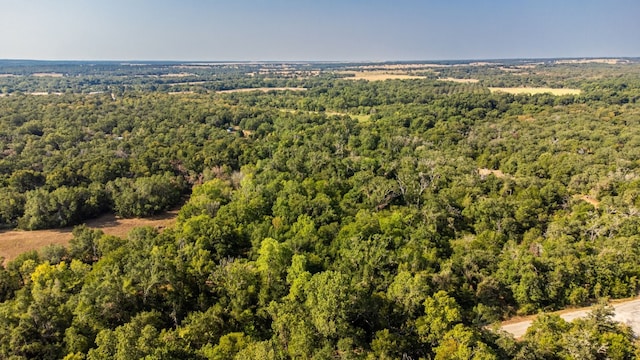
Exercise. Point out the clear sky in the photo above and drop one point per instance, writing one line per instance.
(340, 30)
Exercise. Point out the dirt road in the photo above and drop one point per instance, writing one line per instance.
(627, 312)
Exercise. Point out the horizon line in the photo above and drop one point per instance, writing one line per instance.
(318, 61)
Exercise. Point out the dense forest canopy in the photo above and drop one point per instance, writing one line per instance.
(321, 216)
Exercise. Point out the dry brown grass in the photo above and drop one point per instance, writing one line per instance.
(526, 118)
(484, 172)
(401, 66)
(47, 75)
(379, 75)
(588, 199)
(263, 89)
(593, 61)
(44, 93)
(16, 242)
(532, 91)
(462, 81)
(177, 75)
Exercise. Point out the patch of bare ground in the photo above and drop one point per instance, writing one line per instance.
(16, 242)
(7, 75)
(588, 199)
(263, 89)
(462, 81)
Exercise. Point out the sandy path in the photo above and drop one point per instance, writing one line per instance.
(627, 312)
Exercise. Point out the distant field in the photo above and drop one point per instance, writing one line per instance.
(463, 81)
(263, 89)
(360, 118)
(15, 242)
(378, 76)
(183, 74)
(47, 75)
(401, 66)
(592, 61)
(532, 91)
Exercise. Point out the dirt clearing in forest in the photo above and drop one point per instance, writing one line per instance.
(533, 91)
(484, 172)
(16, 242)
(588, 199)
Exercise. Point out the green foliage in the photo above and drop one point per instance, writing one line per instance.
(61, 207)
(353, 220)
(144, 196)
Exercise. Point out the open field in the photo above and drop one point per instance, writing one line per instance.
(15, 242)
(177, 75)
(401, 66)
(593, 61)
(360, 118)
(462, 81)
(263, 89)
(44, 93)
(378, 75)
(57, 75)
(533, 91)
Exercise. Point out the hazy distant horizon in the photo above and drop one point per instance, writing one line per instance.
(205, 62)
(330, 30)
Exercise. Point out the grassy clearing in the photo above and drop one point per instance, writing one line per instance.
(56, 75)
(263, 89)
(16, 242)
(379, 75)
(588, 199)
(484, 172)
(360, 118)
(593, 61)
(401, 67)
(462, 81)
(532, 91)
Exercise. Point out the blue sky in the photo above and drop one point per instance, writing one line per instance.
(328, 30)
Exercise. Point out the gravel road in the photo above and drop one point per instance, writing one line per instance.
(627, 312)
